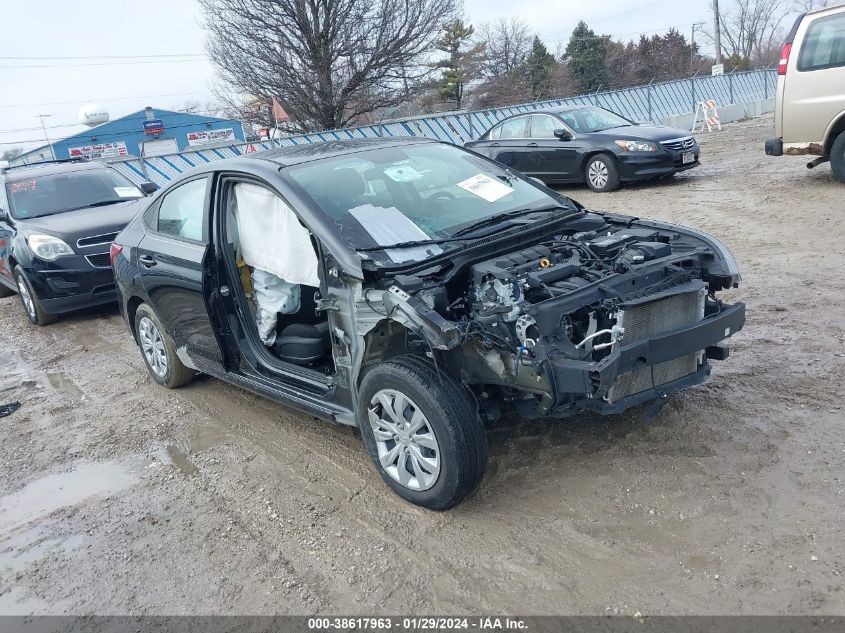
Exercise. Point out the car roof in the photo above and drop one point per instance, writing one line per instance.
(552, 110)
(22, 172)
(305, 152)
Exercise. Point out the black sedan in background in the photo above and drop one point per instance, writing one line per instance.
(579, 144)
(57, 220)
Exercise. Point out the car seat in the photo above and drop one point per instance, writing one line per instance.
(303, 343)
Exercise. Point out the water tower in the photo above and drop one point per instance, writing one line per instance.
(92, 114)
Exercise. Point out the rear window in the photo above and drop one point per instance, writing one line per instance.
(824, 44)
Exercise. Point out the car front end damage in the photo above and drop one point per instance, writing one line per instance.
(603, 313)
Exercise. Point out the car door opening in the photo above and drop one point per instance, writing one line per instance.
(277, 267)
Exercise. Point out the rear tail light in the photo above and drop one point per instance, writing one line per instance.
(114, 251)
(784, 58)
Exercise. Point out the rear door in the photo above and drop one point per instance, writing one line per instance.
(548, 157)
(814, 84)
(508, 142)
(171, 259)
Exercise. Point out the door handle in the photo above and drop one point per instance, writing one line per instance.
(494, 145)
(533, 145)
(147, 261)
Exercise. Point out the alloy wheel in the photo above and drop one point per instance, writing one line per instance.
(407, 447)
(152, 346)
(26, 298)
(597, 174)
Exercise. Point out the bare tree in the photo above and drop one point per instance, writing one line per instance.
(327, 61)
(750, 29)
(805, 6)
(507, 43)
(11, 153)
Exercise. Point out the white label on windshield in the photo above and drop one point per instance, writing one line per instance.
(402, 173)
(128, 192)
(485, 187)
(391, 226)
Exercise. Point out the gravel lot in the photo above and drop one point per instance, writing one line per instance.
(118, 496)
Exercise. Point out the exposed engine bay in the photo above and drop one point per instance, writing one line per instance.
(604, 313)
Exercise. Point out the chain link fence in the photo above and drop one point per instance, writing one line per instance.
(652, 102)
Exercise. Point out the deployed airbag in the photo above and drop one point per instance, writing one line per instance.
(272, 295)
(272, 238)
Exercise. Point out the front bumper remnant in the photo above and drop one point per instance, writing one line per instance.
(586, 383)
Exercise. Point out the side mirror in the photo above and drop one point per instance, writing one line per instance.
(563, 134)
(148, 187)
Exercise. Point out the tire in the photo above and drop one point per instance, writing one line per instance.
(29, 301)
(601, 174)
(837, 157)
(445, 457)
(158, 352)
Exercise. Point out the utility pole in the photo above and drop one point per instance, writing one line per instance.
(46, 138)
(717, 31)
(692, 44)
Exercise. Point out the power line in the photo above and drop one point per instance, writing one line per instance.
(163, 116)
(109, 135)
(619, 15)
(85, 99)
(23, 57)
(617, 35)
(116, 63)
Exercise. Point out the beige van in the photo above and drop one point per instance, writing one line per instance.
(810, 106)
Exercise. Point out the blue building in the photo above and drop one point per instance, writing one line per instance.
(145, 133)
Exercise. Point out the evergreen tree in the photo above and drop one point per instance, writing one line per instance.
(540, 64)
(586, 56)
(462, 61)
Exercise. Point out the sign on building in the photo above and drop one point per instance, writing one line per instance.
(206, 137)
(99, 151)
(153, 127)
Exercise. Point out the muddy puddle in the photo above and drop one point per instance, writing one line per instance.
(15, 364)
(198, 438)
(25, 527)
(60, 490)
(61, 382)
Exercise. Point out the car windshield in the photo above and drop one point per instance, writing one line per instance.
(414, 193)
(39, 195)
(586, 120)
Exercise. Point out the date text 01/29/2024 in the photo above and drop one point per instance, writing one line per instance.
(422, 623)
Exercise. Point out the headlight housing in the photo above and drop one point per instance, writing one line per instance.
(48, 247)
(637, 146)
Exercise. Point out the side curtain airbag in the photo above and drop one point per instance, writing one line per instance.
(272, 237)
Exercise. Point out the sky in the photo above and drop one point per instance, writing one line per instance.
(57, 55)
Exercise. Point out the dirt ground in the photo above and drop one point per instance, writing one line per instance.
(118, 496)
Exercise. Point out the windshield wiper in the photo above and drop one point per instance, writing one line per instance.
(100, 203)
(413, 243)
(501, 217)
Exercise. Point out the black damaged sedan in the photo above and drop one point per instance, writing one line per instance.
(417, 291)
(586, 144)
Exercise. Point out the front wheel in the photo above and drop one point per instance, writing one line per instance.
(837, 157)
(422, 432)
(601, 173)
(31, 305)
(158, 352)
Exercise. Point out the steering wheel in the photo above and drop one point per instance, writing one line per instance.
(446, 195)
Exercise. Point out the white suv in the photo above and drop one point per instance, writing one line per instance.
(810, 106)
